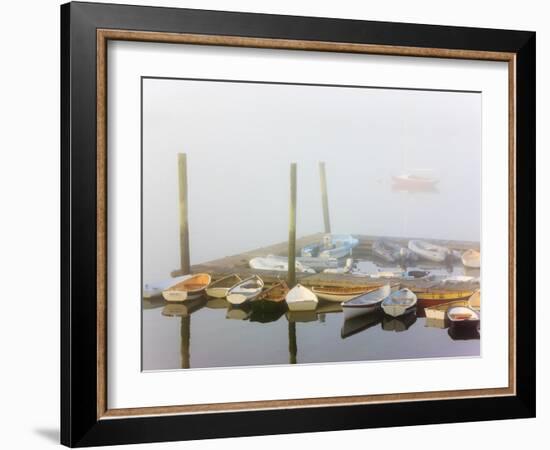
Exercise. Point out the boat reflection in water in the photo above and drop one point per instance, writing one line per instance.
(183, 309)
(463, 334)
(217, 303)
(301, 316)
(435, 323)
(262, 315)
(360, 323)
(238, 312)
(398, 324)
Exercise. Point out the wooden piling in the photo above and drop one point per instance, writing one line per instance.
(324, 195)
(292, 229)
(183, 214)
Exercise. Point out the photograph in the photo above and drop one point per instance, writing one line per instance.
(293, 223)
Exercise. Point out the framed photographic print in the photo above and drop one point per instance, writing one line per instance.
(277, 224)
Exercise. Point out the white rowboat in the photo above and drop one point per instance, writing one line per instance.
(439, 312)
(245, 290)
(220, 288)
(300, 298)
(366, 303)
(463, 317)
(399, 303)
(428, 250)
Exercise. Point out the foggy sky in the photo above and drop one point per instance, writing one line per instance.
(240, 139)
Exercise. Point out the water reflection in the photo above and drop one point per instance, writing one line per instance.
(261, 315)
(360, 323)
(238, 313)
(399, 324)
(462, 334)
(225, 336)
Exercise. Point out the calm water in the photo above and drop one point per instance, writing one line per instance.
(208, 333)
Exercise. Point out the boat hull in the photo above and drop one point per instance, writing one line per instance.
(356, 311)
(428, 299)
(304, 305)
(463, 317)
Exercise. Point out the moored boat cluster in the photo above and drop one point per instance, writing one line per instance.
(445, 300)
(460, 308)
(328, 254)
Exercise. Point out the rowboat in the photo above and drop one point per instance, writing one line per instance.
(366, 303)
(317, 250)
(192, 287)
(272, 298)
(156, 288)
(341, 294)
(429, 251)
(277, 263)
(471, 258)
(245, 290)
(332, 246)
(399, 303)
(220, 288)
(439, 312)
(428, 297)
(398, 324)
(357, 324)
(300, 298)
(463, 317)
(474, 302)
(392, 252)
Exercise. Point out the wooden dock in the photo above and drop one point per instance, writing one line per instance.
(363, 251)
